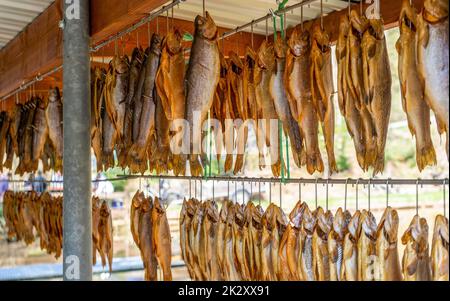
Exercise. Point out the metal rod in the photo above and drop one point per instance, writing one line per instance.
(77, 208)
(149, 18)
(38, 78)
(428, 182)
(265, 18)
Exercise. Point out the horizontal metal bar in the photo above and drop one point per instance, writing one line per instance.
(38, 78)
(298, 180)
(143, 21)
(268, 16)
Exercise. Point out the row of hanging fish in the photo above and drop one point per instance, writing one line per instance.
(246, 243)
(364, 86)
(33, 132)
(102, 232)
(423, 73)
(28, 214)
(151, 233)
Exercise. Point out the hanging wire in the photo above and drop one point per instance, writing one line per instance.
(326, 204)
(299, 191)
(259, 193)
(361, 7)
(321, 14)
(159, 189)
(281, 196)
(201, 190)
(349, 7)
(417, 197)
(195, 189)
(443, 192)
(267, 30)
(368, 195)
(387, 192)
(251, 191)
(172, 17)
(251, 28)
(270, 193)
(149, 37)
(137, 38)
(301, 16)
(213, 191)
(345, 195)
(228, 189)
(235, 191)
(315, 191)
(190, 189)
(204, 9)
(157, 25)
(357, 183)
(167, 22)
(243, 192)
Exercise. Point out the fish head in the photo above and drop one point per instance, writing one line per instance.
(206, 28)
(120, 64)
(224, 212)
(320, 36)
(324, 221)
(300, 42)
(281, 217)
(344, 26)
(417, 234)
(104, 209)
(368, 224)
(339, 222)
(309, 221)
(266, 55)
(53, 94)
(388, 225)
(137, 200)
(408, 17)
(146, 204)
(376, 28)
(250, 56)
(156, 44)
(174, 42)
(358, 22)
(280, 47)
(435, 10)
(235, 62)
(441, 229)
(354, 226)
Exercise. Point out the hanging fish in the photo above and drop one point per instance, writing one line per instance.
(349, 270)
(336, 238)
(440, 249)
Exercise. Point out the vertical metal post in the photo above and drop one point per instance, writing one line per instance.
(77, 250)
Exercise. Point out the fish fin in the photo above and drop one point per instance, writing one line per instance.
(424, 34)
(425, 156)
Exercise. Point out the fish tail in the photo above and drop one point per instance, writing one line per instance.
(370, 158)
(379, 165)
(314, 162)
(239, 164)
(425, 155)
(228, 162)
(196, 167)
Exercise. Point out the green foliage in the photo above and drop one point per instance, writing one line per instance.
(119, 186)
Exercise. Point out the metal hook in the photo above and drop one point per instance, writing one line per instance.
(213, 191)
(315, 190)
(357, 183)
(267, 30)
(326, 202)
(251, 190)
(281, 197)
(204, 10)
(228, 189)
(300, 189)
(201, 190)
(195, 189)
(387, 192)
(251, 27)
(270, 193)
(321, 14)
(259, 193)
(190, 189)
(235, 191)
(445, 210)
(243, 193)
(368, 195)
(417, 196)
(345, 195)
(301, 16)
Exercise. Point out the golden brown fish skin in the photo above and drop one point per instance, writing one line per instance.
(238, 241)
(349, 270)
(377, 85)
(40, 133)
(248, 251)
(162, 239)
(294, 243)
(414, 105)
(202, 77)
(440, 249)
(257, 238)
(229, 261)
(146, 240)
(262, 76)
(137, 99)
(281, 102)
(105, 232)
(5, 123)
(322, 89)
(267, 273)
(433, 60)
(220, 247)
(95, 232)
(298, 87)
(386, 247)
(135, 213)
(195, 241)
(55, 125)
(336, 242)
(367, 247)
(321, 257)
(306, 251)
(347, 104)
(148, 100)
(416, 261)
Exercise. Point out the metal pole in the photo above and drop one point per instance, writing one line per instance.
(77, 208)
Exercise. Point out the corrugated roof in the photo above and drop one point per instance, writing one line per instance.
(15, 15)
(232, 13)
